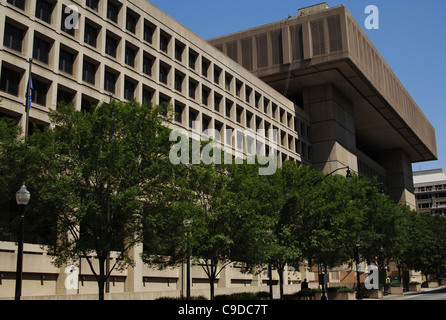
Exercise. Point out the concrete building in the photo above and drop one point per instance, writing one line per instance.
(316, 79)
(430, 191)
(360, 113)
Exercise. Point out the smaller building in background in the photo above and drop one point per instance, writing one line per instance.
(430, 191)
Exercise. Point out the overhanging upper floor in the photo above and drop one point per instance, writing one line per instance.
(328, 46)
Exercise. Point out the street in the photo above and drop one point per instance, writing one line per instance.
(435, 294)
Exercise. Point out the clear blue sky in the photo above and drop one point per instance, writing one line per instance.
(411, 38)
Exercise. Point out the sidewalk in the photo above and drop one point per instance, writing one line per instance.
(408, 293)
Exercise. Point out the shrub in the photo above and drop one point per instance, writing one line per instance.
(181, 298)
(345, 290)
(395, 284)
(238, 296)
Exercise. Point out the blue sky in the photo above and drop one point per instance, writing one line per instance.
(411, 38)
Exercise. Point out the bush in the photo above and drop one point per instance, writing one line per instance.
(181, 298)
(238, 296)
(305, 293)
(395, 284)
(340, 290)
(263, 294)
(345, 290)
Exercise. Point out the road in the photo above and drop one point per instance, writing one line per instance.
(436, 294)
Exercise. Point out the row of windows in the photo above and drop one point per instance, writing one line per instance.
(431, 195)
(44, 10)
(431, 188)
(42, 46)
(10, 82)
(157, 69)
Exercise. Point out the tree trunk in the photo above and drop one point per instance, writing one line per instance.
(280, 270)
(212, 287)
(102, 278)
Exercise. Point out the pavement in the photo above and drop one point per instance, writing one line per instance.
(410, 294)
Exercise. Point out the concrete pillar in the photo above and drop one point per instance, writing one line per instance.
(399, 176)
(133, 282)
(332, 128)
(225, 277)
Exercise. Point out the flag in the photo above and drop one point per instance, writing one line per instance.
(28, 102)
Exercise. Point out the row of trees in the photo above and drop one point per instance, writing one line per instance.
(102, 182)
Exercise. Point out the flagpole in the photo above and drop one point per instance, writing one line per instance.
(28, 99)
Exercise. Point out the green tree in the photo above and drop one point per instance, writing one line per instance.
(104, 165)
(284, 197)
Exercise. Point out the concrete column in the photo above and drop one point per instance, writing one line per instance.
(332, 128)
(399, 176)
(225, 277)
(134, 283)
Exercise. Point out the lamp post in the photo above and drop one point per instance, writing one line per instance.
(188, 224)
(358, 277)
(22, 197)
(383, 270)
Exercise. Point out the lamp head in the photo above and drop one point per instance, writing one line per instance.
(349, 174)
(22, 196)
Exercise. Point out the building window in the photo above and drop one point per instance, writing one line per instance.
(192, 59)
(64, 96)
(149, 30)
(147, 65)
(65, 16)
(109, 81)
(111, 45)
(129, 90)
(193, 118)
(217, 74)
(10, 81)
(179, 113)
(205, 92)
(179, 81)
(13, 37)
(205, 67)
(90, 35)
(131, 21)
(217, 102)
(66, 61)
(18, 3)
(238, 115)
(147, 96)
(164, 42)
(88, 104)
(164, 73)
(89, 72)
(113, 11)
(41, 50)
(192, 89)
(130, 55)
(228, 108)
(228, 81)
(179, 49)
(92, 4)
(44, 10)
(39, 92)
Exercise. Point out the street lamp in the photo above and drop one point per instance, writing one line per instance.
(383, 270)
(22, 197)
(358, 276)
(188, 224)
